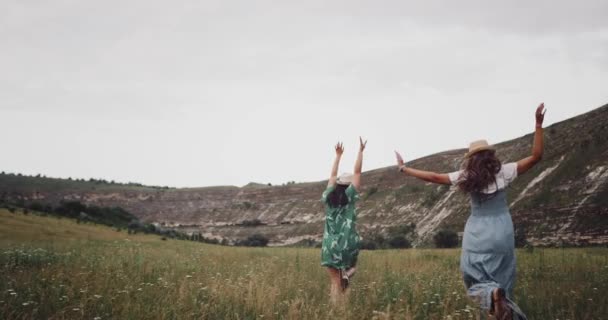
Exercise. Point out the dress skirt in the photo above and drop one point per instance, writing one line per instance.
(488, 252)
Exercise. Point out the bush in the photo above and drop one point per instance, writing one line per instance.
(252, 223)
(150, 228)
(379, 241)
(404, 229)
(110, 216)
(399, 242)
(520, 237)
(446, 239)
(256, 240)
(71, 209)
(37, 206)
(135, 226)
(368, 245)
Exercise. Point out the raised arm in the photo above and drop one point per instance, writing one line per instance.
(429, 176)
(334, 169)
(359, 165)
(527, 163)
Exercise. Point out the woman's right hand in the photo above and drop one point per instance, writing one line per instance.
(540, 115)
(339, 149)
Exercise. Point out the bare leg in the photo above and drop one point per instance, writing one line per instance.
(351, 272)
(334, 285)
(501, 309)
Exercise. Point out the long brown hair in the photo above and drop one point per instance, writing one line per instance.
(338, 197)
(479, 172)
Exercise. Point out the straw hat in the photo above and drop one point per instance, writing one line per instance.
(476, 146)
(345, 179)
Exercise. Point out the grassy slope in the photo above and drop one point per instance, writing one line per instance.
(17, 229)
(581, 141)
(55, 268)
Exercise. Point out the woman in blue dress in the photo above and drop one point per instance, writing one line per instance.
(488, 245)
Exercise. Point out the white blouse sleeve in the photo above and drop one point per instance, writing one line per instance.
(454, 177)
(509, 172)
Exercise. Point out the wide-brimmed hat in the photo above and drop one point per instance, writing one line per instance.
(345, 179)
(476, 146)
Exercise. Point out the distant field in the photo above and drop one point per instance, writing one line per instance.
(57, 269)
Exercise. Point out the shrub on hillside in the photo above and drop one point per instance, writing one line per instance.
(37, 206)
(445, 239)
(399, 242)
(71, 209)
(396, 237)
(252, 223)
(368, 245)
(111, 216)
(404, 229)
(520, 237)
(378, 241)
(256, 240)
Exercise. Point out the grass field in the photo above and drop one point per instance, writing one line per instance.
(56, 269)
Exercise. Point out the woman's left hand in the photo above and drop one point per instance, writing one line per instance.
(400, 161)
(362, 144)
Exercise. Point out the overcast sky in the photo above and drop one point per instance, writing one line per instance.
(200, 93)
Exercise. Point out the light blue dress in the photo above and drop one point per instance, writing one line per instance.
(488, 246)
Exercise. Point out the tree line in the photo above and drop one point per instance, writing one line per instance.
(90, 180)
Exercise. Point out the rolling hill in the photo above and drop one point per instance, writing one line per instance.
(564, 200)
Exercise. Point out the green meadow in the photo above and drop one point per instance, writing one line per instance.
(54, 268)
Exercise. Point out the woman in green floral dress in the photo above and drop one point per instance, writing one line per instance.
(340, 247)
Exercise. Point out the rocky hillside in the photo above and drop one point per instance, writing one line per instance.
(562, 200)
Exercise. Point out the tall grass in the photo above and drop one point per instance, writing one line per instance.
(56, 269)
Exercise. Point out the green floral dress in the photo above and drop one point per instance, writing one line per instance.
(340, 247)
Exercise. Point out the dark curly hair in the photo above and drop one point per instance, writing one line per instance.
(338, 198)
(479, 172)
